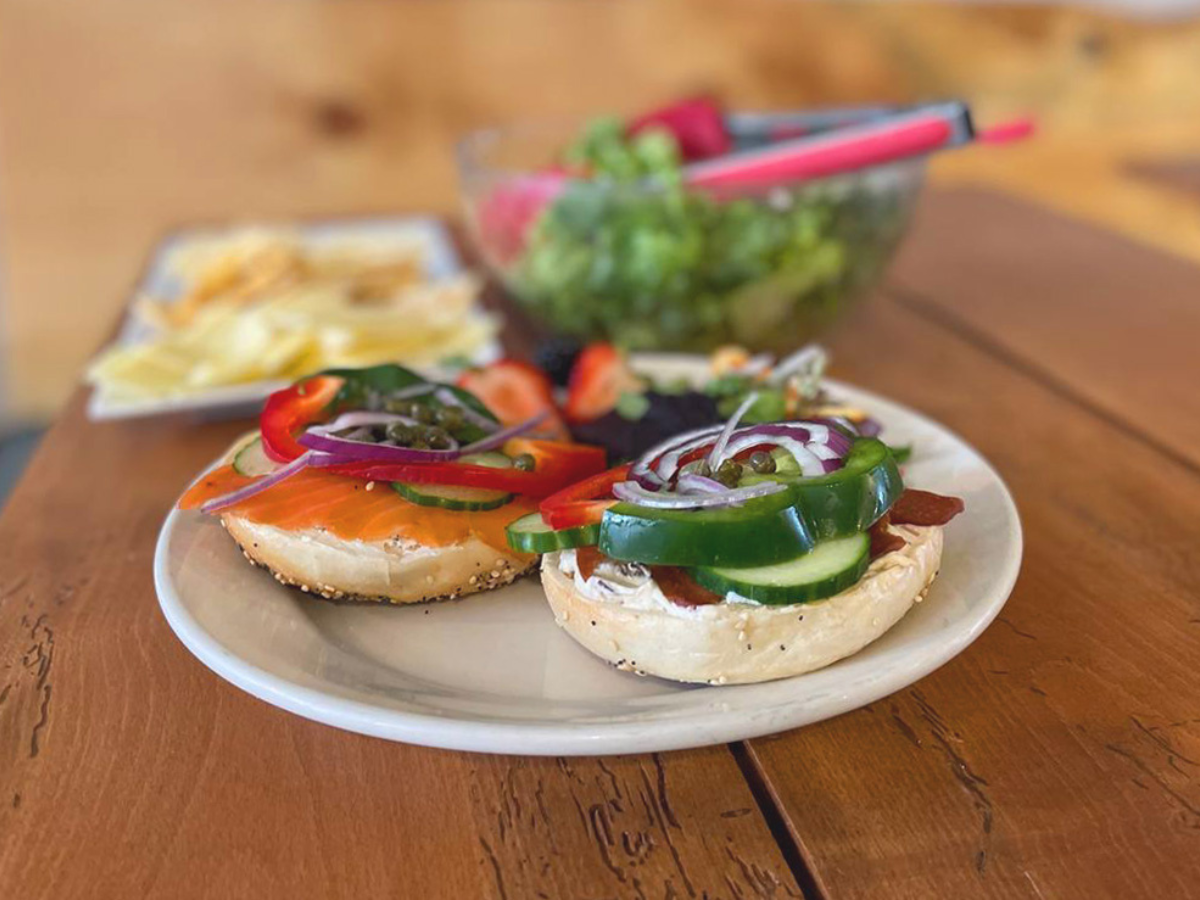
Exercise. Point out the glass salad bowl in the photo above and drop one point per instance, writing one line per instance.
(635, 255)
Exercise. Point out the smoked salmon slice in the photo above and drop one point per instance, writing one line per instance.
(347, 509)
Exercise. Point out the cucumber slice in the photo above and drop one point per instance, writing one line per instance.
(252, 461)
(445, 496)
(760, 531)
(493, 459)
(828, 569)
(785, 463)
(530, 534)
(461, 499)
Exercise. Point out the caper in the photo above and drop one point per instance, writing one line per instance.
(729, 472)
(762, 462)
(437, 438)
(400, 407)
(418, 444)
(524, 461)
(401, 433)
(449, 417)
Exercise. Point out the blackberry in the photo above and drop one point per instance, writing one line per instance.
(556, 356)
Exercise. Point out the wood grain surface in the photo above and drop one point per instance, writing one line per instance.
(1107, 321)
(1059, 756)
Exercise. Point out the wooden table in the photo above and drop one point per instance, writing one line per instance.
(1057, 757)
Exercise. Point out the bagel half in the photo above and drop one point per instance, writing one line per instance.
(374, 571)
(391, 571)
(741, 643)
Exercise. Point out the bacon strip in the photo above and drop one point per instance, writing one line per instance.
(882, 540)
(586, 561)
(924, 508)
(679, 587)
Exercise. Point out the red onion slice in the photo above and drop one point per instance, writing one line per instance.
(365, 450)
(667, 466)
(632, 492)
(257, 487)
(869, 427)
(362, 417)
(642, 471)
(801, 429)
(492, 441)
(690, 481)
(836, 423)
(316, 439)
(718, 451)
(810, 464)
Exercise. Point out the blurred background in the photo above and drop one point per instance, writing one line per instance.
(123, 119)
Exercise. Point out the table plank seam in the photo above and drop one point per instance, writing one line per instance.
(771, 809)
(915, 302)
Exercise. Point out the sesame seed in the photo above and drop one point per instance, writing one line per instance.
(370, 485)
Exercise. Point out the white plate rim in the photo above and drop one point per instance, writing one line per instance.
(559, 739)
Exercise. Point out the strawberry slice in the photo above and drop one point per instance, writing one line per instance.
(696, 123)
(599, 377)
(515, 391)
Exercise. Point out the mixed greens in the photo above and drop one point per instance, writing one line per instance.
(632, 254)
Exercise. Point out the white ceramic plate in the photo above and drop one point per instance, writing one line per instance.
(441, 261)
(494, 673)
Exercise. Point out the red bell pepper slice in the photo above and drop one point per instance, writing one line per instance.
(555, 465)
(583, 503)
(560, 463)
(287, 412)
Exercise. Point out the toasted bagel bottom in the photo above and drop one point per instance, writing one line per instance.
(376, 571)
(740, 643)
